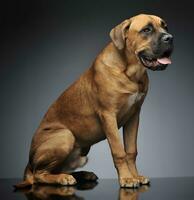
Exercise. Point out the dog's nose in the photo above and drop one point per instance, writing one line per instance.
(167, 38)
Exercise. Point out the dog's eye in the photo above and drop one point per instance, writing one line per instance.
(147, 30)
(164, 25)
(165, 28)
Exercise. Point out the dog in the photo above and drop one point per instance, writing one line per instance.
(107, 96)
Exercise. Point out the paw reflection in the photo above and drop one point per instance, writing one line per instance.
(51, 192)
(131, 194)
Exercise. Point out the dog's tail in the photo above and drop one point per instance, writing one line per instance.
(22, 184)
(28, 179)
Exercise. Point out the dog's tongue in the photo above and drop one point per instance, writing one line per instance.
(164, 61)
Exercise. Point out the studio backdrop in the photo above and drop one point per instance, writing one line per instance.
(46, 45)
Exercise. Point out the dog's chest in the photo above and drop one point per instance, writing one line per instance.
(126, 110)
(134, 98)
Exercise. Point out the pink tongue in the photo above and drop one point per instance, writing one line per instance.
(164, 60)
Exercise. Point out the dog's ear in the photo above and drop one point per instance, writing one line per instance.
(118, 34)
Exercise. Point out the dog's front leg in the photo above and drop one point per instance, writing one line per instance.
(130, 131)
(110, 128)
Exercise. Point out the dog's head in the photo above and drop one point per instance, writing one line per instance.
(147, 38)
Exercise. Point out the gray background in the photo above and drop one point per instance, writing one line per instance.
(46, 45)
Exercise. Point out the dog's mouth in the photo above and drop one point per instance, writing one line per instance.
(154, 64)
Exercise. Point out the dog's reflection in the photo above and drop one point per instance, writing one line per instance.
(48, 192)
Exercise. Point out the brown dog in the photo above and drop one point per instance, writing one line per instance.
(106, 97)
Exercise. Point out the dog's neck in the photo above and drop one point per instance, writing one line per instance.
(124, 61)
(134, 69)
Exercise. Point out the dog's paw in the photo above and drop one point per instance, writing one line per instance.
(89, 176)
(66, 179)
(82, 176)
(129, 182)
(143, 180)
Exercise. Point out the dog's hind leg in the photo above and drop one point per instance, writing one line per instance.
(84, 176)
(50, 156)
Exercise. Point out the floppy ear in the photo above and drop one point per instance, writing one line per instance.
(118, 34)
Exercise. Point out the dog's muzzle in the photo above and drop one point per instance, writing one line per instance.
(158, 58)
(155, 64)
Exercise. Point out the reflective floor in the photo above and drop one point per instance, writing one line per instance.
(160, 189)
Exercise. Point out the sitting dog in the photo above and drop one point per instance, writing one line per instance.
(106, 97)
